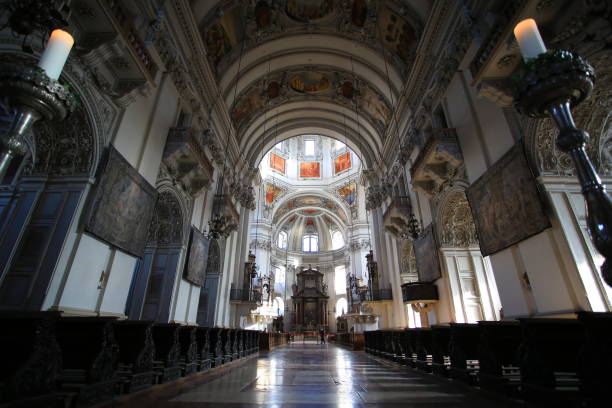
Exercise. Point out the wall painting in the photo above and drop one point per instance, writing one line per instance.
(277, 163)
(310, 169)
(342, 163)
(122, 205)
(197, 257)
(426, 254)
(505, 203)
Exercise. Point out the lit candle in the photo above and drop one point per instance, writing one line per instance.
(529, 39)
(55, 55)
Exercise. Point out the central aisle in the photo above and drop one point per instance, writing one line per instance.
(326, 375)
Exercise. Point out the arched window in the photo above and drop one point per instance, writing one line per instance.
(282, 240)
(279, 275)
(341, 307)
(310, 243)
(340, 280)
(278, 306)
(337, 240)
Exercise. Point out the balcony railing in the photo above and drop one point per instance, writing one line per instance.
(419, 292)
(245, 295)
(376, 295)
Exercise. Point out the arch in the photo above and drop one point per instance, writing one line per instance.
(341, 306)
(167, 223)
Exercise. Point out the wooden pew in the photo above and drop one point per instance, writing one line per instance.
(549, 360)
(136, 355)
(90, 357)
(596, 358)
(31, 359)
(233, 344)
(498, 355)
(167, 351)
(216, 346)
(240, 343)
(203, 348)
(464, 352)
(404, 339)
(412, 345)
(423, 348)
(398, 349)
(440, 354)
(387, 351)
(189, 350)
(226, 345)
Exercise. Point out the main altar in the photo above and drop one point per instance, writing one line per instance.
(309, 301)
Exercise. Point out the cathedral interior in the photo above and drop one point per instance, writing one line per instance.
(305, 203)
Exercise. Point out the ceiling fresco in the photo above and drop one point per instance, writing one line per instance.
(311, 83)
(309, 201)
(393, 24)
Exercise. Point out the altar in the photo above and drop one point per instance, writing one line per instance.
(309, 301)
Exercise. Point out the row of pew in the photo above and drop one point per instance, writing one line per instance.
(549, 361)
(53, 361)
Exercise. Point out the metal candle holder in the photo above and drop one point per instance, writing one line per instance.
(550, 85)
(33, 96)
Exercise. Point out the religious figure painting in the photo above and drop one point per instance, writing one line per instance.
(310, 169)
(372, 103)
(348, 193)
(310, 83)
(247, 104)
(426, 255)
(272, 193)
(506, 205)
(277, 163)
(121, 206)
(197, 257)
(342, 163)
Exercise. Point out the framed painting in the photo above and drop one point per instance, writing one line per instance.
(197, 257)
(342, 163)
(426, 255)
(121, 206)
(310, 170)
(277, 163)
(506, 204)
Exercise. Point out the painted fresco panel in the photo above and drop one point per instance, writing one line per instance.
(342, 162)
(310, 169)
(348, 193)
(272, 193)
(277, 163)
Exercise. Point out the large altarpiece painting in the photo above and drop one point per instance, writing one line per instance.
(121, 206)
(197, 257)
(426, 255)
(506, 204)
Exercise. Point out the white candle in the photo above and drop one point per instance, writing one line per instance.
(55, 55)
(529, 39)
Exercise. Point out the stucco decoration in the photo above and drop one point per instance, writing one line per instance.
(506, 204)
(167, 221)
(121, 207)
(457, 227)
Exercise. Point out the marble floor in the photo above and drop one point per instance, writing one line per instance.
(312, 375)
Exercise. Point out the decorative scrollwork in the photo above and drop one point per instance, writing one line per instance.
(167, 224)
(457, 227)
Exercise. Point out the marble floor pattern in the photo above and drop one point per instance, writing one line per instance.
(312, 375)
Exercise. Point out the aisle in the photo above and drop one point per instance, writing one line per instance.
(301, 375)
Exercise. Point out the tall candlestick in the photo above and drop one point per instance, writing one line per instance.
(529, 40)
(55, 55)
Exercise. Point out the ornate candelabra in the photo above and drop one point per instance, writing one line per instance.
(34, 93)
(551, 84)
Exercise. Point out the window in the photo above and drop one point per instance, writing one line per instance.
(309, 147)
(278, 306)
(282, 240)
(341, 307)
(337, 240)
(310, 243)
(340, 280)
(279, 275)
(338, 145)
(279, 146)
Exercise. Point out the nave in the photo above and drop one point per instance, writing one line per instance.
(310, 374)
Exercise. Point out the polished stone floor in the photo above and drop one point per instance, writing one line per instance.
(312, 375)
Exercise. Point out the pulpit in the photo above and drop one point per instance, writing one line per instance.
(309, 301)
